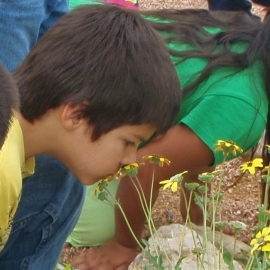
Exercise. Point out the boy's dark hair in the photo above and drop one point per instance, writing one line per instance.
(108, 56)
(9, 99)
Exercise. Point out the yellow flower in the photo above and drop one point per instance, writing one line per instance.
(173, 182)
(131, 166)
(260, 240)
(266, 247)
(103, 183)
(252, 165)
(109, 178)
(255, 247)
(130, 169)
(227, 147)
(155, 159)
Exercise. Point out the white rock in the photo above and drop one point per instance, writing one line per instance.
(178, 241)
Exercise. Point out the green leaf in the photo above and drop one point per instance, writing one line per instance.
(206, 178)
(198, 200)
(218, 197)
(202, 189)
(102, 195)
(191, 186)
(228, 259)
(145, 242)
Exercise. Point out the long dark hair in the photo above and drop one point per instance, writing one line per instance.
(188, 25)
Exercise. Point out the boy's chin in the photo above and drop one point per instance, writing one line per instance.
(90, 180)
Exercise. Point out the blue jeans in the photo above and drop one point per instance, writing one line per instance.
(22, 23)
(49, 208)
(230, 5)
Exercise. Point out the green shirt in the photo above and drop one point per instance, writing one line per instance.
(96, 222)
(229, 105)
(76, 3)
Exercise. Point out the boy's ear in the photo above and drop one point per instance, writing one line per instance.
(72, 115)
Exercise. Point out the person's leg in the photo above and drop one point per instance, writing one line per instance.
(22, 23)
(53, 11)
(49, 208)
(229, 5)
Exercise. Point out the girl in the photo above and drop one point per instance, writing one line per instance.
(222, 62)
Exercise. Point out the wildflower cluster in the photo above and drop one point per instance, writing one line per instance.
(201, 193)
(228, 147)
(101, 189)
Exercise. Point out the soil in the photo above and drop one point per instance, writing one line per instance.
(240, 201)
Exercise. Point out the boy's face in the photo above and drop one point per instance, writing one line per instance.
(91, 161)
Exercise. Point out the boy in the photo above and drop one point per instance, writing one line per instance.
(95, 86)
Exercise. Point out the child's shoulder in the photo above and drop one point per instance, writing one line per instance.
(12, 152)
(11, 160)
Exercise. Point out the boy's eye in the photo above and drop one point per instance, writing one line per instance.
(130, 143)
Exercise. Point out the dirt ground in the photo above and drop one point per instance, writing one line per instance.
(240, 190)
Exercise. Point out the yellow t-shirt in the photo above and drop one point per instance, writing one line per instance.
(13, 168)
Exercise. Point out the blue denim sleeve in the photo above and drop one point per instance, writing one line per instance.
(22, 22)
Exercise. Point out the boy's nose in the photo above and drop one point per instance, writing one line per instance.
(130, 157)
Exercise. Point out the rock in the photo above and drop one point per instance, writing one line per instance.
(177, 241)
(242, 250)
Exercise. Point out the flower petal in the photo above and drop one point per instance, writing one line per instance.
(164, 181)
(267, 238)
(258, 235)
(251, 170)
(254, 248)
(266, 247)
(174, 187)
(253, 242)
(167, 185)
(257, 162)
(265, 231)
